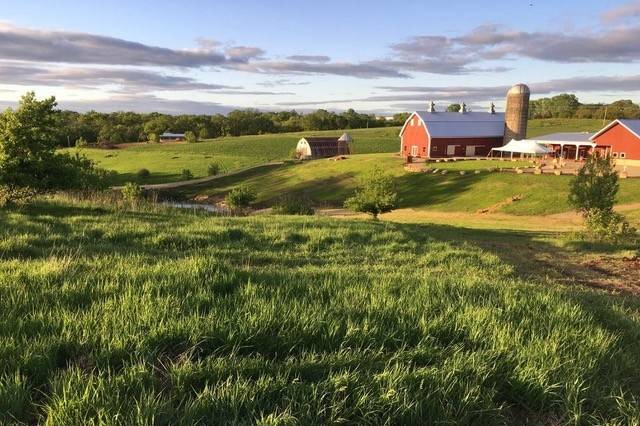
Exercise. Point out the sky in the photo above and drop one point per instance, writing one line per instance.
(380, 56)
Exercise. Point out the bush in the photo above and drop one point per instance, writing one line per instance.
(595, 186)
(29, 163)
(153, 137)
(214, 169)
(290, 204)
(81, 142)
(376, 194)
(240, 198)
(143, 173)
(609, 226)
(190, 137)
(186, 174)
(294, 154)
(131, 193)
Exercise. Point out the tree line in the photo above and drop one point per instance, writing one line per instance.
(122, 127)
(568, 106)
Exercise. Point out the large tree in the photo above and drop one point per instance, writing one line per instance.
(28, 159)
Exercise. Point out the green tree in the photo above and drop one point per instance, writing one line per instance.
(375, 195)
(190, 137)
(28, 158)
(153, 137)
(595, 186)
(240, 198)
(453, 108)
(81, 142)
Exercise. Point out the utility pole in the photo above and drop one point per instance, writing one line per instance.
(604, 119)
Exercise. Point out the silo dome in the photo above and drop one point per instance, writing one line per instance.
(519, 89)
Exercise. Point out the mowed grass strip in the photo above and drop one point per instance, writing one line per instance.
(165, 317)
(329, 183)
(166, 161)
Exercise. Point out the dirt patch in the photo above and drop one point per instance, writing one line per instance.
(614, 274)
(496, 207)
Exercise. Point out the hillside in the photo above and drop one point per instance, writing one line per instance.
(165, 162)
(328, 183)
(165, 317)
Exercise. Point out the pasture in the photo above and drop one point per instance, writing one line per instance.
(157, 316)
(329, 183)
(165, 162)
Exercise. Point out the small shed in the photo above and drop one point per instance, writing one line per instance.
(321, 147)
(167, 136)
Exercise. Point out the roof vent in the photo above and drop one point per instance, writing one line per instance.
(492, 108)
(432, 106)
(463, 108)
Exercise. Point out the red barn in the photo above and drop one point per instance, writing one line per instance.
(621, 139)
(431, 134)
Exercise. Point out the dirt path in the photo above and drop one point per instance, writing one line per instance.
(173, 185)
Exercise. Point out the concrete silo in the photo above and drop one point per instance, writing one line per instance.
(516, 113)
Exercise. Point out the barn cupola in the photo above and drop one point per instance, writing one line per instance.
(432, 106)
(492, 108)
(463, 108)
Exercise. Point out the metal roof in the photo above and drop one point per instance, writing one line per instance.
(172, 135)
(633, 125)
(458, 125)
(566, 137)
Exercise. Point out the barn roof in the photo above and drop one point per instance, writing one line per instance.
(632, 125)
(315, 140)
(172, 135)
(566, 137)
(457, 125)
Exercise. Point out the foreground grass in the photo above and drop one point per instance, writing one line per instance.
(167, 317)
(165, 162)
(329, 183)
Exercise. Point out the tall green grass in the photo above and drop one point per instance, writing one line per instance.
(166, 317)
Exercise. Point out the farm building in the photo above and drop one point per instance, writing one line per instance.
(620, 139)
(573, 146)
(320, 147)
(432, 134)
(166, 136)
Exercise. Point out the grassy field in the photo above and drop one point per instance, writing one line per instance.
(166, 317)
(328, 183)
(165, 162)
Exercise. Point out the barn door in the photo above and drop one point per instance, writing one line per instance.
(470, 151)
(414, 151)
(451, 150)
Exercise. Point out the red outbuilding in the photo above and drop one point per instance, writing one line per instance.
(621, 140)
(431, 134)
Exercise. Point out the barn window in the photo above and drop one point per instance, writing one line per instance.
(615, 155)
(434, 148)
(623, 155)
(424, 149)
(405, 147)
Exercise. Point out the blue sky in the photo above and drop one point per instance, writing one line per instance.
(211, 56)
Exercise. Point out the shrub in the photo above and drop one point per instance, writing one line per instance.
(375, 195)
(81, 142)
(131, 193)
(290, 204)
(595, 186)
(186, 174)
(294, 154)
(240, 198)
(143, 173)
(29, 163)
(190, 137)
(607, 225)
(214, 169)
(153, 137)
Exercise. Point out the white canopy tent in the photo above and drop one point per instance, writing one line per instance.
(523, 147)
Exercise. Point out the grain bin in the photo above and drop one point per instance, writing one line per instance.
(517, 113)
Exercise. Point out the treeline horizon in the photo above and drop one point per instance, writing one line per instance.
(125, 127)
